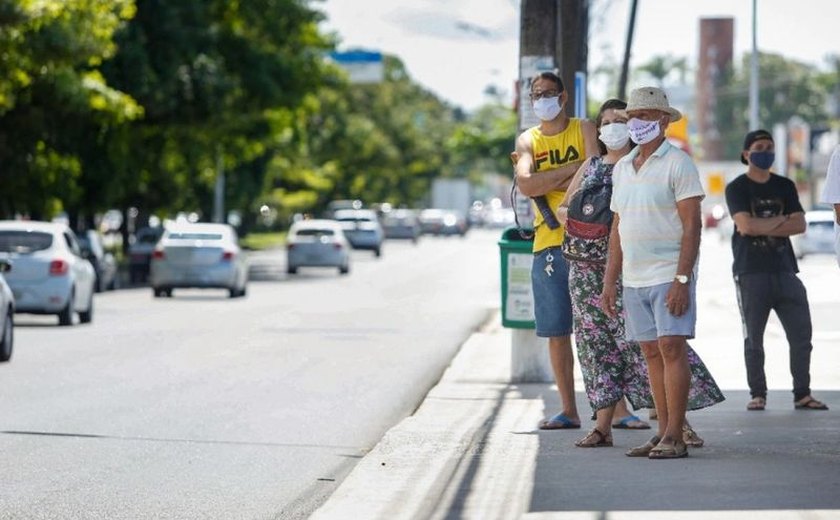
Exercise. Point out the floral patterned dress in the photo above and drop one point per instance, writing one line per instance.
(613, 367)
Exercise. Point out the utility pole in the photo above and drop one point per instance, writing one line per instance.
(625, 64)
(552, 37)
(754, 122)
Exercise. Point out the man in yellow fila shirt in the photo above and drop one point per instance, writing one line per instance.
(548, 156)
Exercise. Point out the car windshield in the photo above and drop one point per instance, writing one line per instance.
(315, 232)
(355, 219)
(821, 224)
(24, 241)
(195, 236)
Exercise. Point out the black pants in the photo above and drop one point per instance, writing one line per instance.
(758, 294)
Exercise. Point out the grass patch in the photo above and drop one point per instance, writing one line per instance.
(261, 241)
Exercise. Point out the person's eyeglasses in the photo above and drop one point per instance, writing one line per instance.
(544, 94)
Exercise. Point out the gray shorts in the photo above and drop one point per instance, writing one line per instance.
(648, 317)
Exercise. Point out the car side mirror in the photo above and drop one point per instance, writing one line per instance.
(5, 266)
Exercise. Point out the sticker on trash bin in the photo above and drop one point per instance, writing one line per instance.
(520, 297)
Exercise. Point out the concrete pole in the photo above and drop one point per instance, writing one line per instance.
(219, 190)
(754, 122)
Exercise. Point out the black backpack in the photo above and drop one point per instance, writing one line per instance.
(588, 223)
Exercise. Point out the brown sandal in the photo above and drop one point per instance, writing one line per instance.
(677, 450)
(595, 439)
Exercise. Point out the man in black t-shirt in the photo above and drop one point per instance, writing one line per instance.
(766, 210)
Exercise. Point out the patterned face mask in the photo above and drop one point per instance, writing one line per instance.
(643, 132)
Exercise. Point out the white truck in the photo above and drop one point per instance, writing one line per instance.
(454, 194)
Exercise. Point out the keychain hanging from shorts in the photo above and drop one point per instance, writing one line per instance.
(549, 268)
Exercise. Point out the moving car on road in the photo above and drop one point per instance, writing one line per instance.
(401, 223)
(435, 221)
(50, 276)
(7, 314)
(199, 255)
(317, 243)
(362, 228)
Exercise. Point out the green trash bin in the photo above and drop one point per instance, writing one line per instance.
(517, 294)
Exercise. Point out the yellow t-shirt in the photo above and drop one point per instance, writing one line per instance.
(551, 152)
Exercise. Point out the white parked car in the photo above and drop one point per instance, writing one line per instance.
(7, 314)
(818, 237)
(317, 243)
(199, 255)
(49, 274)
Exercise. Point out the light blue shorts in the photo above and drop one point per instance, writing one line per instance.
(648, 317)
(552, 302)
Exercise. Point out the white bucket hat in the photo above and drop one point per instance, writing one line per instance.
(651, 98)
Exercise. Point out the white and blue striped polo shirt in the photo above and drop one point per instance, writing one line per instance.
(646, 203)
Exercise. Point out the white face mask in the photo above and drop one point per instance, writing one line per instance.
(643, 132)
(547, 109)
(614, 135)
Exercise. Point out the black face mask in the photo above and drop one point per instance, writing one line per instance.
(762, 160)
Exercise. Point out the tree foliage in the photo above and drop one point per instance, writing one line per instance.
(50, 86)
(142, 103)
(787, 88)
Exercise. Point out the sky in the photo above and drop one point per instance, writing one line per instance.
(456, 48)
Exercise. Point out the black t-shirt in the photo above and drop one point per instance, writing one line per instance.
(762, 254)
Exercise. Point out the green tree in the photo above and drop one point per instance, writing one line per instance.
(661, 67)
(787, 88)
(211, 74)
(50, 84)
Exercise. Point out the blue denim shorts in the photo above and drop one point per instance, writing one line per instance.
(552, 302)
(648, 317)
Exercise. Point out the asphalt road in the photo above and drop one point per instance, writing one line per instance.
(200, 406)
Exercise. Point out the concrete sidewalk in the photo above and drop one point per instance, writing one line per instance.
(472, 450)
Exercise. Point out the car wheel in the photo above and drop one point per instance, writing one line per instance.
(233, 292)
(65, 316)
(344, 269)
(291, 270)
(87, 316)
(160, 292)
(377, 252)
(7, 341)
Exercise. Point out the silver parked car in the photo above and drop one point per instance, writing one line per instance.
(362, 228)
(818, 237)
(50, 275)
(199, 255)
(7, 314)
(317, 243)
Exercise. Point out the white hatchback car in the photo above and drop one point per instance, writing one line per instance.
(317, 243)
(49, 274)
(7, 314)
(199, 255)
